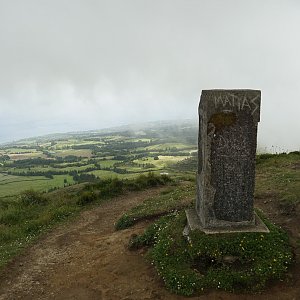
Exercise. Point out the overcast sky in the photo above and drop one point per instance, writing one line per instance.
(69, 65)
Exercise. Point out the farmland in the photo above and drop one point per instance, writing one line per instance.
(55, 161)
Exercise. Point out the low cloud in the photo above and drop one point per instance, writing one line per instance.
(78, 65)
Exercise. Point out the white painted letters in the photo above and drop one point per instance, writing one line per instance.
(241, 103)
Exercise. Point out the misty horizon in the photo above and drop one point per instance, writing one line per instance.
(87, 65)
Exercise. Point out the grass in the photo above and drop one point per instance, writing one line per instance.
(15, 156)
(107, 163)
(23, 218)
(162, 162)
(278, 177)
(240, 262)
(104, 174)
(48, 168)
(7, 178)
(189, 164)
(170, 200)
(79, 153)
(16, 184)
(164, 146)
(134, 169)
(232, 262)
(19, 150)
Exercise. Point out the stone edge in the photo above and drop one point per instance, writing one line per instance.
(193, 223)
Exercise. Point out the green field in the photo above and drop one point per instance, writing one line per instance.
(14, 185)
(102, 174)
(43, 163)
(79, 153)
(13, 150)
(49, 168)
(162, 161)
(108, 163)
(166, 146)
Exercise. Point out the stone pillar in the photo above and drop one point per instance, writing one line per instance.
(228, 122)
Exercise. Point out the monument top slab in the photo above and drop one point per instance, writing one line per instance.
(238, 101)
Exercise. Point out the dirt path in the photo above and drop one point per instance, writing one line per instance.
(87, 259)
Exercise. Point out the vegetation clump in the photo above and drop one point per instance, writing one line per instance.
(114, 186)
(239, 262)
(86, 197)
(31, 197)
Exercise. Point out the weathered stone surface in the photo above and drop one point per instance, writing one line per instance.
(193, 224)
(226, 157)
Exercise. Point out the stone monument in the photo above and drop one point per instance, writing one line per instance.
(228, 122)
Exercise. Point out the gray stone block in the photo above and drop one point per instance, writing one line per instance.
(226, 158)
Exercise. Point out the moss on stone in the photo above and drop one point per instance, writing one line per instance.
(222, 119)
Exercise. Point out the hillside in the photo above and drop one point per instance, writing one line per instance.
(82, 258)
(91, 185)
(54, 161)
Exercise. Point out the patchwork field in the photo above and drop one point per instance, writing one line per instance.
(52, 162)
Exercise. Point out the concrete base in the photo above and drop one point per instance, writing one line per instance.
(194, 223)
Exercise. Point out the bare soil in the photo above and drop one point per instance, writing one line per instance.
(88, 259)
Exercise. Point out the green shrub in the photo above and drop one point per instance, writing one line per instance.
(61, 213)
(112, 187)
(146, 181)
(12, 215)
(7, 235)
(31, 197)
(86, 197)
(124, 222)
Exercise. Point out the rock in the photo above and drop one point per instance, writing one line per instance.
(229, 259)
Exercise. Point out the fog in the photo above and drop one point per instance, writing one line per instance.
(79, 65)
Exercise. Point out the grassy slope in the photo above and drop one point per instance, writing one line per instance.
(278, 177)
(32, 213)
